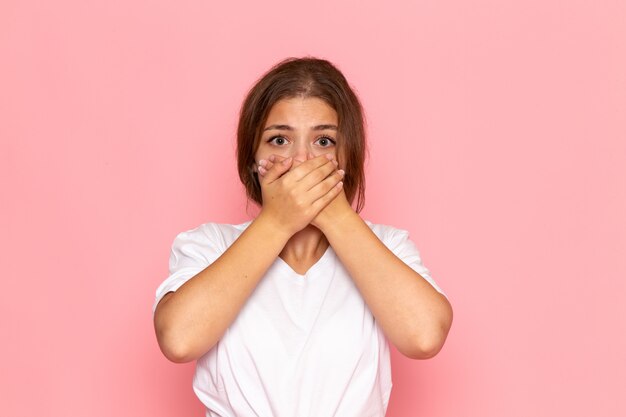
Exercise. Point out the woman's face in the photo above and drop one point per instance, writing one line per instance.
(297, 126)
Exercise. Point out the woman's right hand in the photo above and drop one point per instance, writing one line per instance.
(292, 197)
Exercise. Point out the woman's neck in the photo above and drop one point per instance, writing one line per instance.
(308, 244)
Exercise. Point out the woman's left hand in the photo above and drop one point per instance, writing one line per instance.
(333, 212)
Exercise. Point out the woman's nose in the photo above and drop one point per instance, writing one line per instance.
(300, 152)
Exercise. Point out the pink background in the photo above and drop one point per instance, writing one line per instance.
(498, 139)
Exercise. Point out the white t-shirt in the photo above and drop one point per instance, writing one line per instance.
(302, 345)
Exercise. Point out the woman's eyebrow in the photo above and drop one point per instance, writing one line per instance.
(287, 127)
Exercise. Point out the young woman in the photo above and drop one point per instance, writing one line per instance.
(290, 314)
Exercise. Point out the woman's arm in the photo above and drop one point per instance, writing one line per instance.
(191, 320)
(414, 316)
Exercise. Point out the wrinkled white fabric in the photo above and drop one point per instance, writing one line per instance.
(302, 345)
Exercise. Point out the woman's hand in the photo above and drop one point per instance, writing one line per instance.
(294, 197)
(334, 210)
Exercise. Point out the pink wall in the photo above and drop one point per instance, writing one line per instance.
(498, 138)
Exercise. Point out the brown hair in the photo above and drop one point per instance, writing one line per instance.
(304, 77)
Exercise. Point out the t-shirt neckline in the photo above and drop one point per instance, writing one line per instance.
(288, 270)
(320, 262)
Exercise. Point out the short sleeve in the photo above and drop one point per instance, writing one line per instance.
(399, 242)
(192, 251)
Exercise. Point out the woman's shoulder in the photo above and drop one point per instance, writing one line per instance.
(384, 231)
(215, 232)
(395, 238)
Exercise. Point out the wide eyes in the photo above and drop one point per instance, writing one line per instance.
(278, 140)
(324, 141)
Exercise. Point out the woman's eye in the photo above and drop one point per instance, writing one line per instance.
(325, 141)
(278, 140)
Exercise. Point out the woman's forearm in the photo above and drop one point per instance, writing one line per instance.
(414, 316)
(194, 317)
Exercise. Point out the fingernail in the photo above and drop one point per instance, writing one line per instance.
(262, 171)
(335, 162)
(287, 161)
(272, 157)
(329, 156)
(341, 172)
(262, 162)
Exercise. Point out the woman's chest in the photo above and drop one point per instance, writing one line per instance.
(288, 326)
